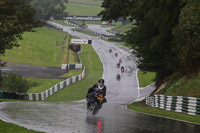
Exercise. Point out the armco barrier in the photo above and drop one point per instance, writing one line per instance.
(188, 105)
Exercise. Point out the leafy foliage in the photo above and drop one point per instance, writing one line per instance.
(152, 38)
(16, 17)
(187, 38)
(15, 83)
(167, 34)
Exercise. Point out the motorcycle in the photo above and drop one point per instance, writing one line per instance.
(118, 77)
(120, 60)
(95, 103)
(116, 54)
(118, 65)
(110, 50)
(122, 69)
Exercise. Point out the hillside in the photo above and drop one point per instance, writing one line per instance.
(82, 10)
(188, 85)
(88, 2)
(42, 48)
(123, 28)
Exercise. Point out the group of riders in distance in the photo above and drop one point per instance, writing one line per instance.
(96, 94)
(118, 77)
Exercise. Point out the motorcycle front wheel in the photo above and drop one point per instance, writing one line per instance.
(95, 108)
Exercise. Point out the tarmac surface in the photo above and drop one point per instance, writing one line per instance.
(26, 70)
(71, 117)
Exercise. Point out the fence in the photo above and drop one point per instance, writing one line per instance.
(188, 105)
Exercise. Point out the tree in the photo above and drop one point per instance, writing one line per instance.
(187, 38)
(47, 8)
(152, 38)
(16, 17)
(15, 83)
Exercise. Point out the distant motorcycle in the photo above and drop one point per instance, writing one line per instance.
(116, 54)
(122, 69)
(95, 102)
(118, 65)
(118, 77)
(110, 50)
(120, 60)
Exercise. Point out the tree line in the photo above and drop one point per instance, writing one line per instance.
(166, 36)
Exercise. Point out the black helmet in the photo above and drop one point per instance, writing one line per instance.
(101, 81)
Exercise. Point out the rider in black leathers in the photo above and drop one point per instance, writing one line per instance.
(99, 87)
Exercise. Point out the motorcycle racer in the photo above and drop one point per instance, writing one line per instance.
(98, 87)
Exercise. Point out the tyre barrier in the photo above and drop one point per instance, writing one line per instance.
(182, 104)
(72, 66)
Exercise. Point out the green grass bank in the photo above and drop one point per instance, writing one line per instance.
(12, 128)
(78, 90)
(41, 48)
(82, 10)
(188, 85)
(145, 78)
(142, 107)
(95, 2)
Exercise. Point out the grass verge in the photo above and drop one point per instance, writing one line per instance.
(188, 85)
(82, 10)
(145, 78)
(72, 73)
(42, 84)
(78, 90)
(12, 128)
(142, 107)
(42, 48)
(95, 2)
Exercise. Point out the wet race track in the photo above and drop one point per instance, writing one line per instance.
(72, 117)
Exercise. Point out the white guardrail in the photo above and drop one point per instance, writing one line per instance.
(188, 105)
(55, 88)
